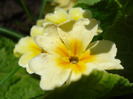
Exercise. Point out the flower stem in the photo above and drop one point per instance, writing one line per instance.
(121, 7)
(42, 9)
(9, 75)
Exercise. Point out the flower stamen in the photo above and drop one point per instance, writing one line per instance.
(74, 60)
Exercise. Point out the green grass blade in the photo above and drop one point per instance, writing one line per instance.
(9, 75)
(26, 11)
(42, 9)
(121, 7)
(8, 32)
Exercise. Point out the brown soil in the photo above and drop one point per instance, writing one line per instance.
(13, 16)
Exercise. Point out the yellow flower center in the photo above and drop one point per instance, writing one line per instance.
(74, 57)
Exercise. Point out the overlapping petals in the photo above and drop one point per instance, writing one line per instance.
(26, 48)
(59, 16)
(65, 4)
(70, 53)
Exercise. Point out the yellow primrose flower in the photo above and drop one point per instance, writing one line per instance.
(60, 16)
(26, 48)
(65, 4)
(70, 53)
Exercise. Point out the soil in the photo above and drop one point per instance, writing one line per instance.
(13, 16)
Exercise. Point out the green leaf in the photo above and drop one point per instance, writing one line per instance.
(121, 32)
(88, 2)
(99, 84)
(125, 6)
(105, 11)
(21, 84)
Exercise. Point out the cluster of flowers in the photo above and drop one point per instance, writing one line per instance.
(59, 48)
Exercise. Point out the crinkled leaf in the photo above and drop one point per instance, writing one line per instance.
(20, 85)
(99, 84)
(105, 11)
(121, 32)
(127, 6)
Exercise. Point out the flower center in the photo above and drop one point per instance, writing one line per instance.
(74, 60)
(43, 51)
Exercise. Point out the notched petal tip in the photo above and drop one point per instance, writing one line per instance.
(40, 40)
(23, 45)
(83, 21)
(47, 87)
(67, 25)
(120, 67)
(59, 16)
(40, 22)
(50, 28)
(77, 13)
(16, 53)
(92, 24)
(21, 63)
(103, 46)
(36, 64)
(36, 30)
(29, 70)
(104, 52)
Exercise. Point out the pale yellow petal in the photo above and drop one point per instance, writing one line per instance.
(24, 59)
(51, 74)
(40, 22)
(103, 47)
(48, 43)
(59, 16)
(51, 44)
(27, 44)
(82, 30)
(23, 45)
(74, 77)
(50, 28)
(78, 13)
(17, 54)
(62, 2)
(105, 63)
(65, 4)
(104, 52)
(36, 30)
(99, 30)
(29, 70)
(79, 70)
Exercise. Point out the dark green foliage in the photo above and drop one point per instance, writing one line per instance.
(21, 85)
(121, 32)
(117, 24)
(99, 84)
